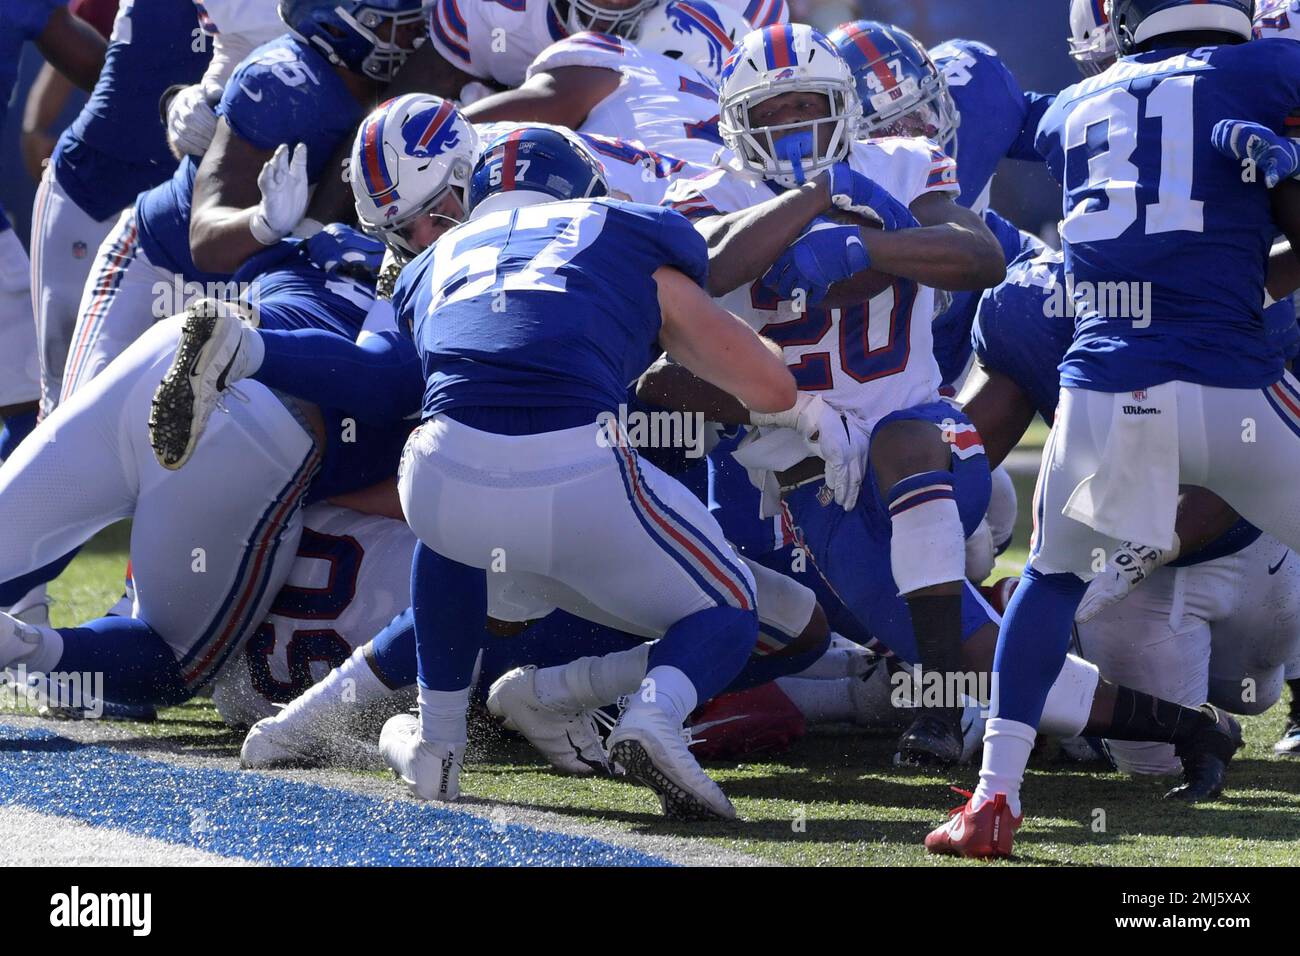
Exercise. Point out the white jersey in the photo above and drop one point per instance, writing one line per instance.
(236, 28)
(352, 576)
(497, 39)
(871, 359)
(670, 107)
(1278, 18)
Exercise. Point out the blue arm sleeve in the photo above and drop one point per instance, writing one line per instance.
(377, 381)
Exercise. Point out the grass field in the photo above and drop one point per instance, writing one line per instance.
(834, 799)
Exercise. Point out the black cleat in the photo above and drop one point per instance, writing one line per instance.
(1206, 757)
(209, 341)
(933, 740)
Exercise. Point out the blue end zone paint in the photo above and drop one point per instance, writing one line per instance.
(258, 818)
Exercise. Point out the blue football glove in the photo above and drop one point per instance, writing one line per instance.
(824, 254)
(342, 249)
(1275, 156)
(853, 192)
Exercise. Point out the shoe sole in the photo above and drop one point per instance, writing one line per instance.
(175, 419)
(677, 802)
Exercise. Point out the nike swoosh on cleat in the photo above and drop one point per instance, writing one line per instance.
(1275, 568)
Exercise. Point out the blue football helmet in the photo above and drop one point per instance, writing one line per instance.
(536, 159)
(362, 35)
(1137, 21)
(903, 93)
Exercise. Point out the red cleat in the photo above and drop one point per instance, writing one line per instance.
(982, 834)
(731, 726)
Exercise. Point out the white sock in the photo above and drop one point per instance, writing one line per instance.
(442, 715)
(1007, 745)
(353, 684)
(45, 651)
(820, 701)
(669, 689)
(249, 357)
(591, 682)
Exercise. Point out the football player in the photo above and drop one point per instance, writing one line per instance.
(1220, 624)
(790, 112)
(1153, 394)
(526, 401)
(284, 111)
(606, 85)
(490, 45)
(114, 150)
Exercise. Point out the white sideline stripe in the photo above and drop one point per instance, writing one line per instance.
(40, 839)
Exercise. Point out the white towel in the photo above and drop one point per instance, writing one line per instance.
(1133, 496)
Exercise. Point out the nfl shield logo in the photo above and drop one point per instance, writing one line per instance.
(1140, 395)
(78, 250)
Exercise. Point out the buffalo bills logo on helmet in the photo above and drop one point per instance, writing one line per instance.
(431, 132)
(691, 18)
(784, 74)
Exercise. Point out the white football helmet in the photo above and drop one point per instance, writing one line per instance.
(581, 15)
(1092, 42)
(788, 58)
(693, 32)
(408, 155)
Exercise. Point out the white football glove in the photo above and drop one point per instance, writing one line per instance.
(191, 122)
(283, 182)
(1127, 567)
(829, 435)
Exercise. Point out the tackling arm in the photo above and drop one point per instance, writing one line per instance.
(563, 97)
(73, 47)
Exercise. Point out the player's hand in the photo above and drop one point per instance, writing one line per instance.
(347, 251)
(824, 254)
(1127, 567)
(844, 450)
(1275, 156)
(863, 196)
(191, 122)
(283, 182)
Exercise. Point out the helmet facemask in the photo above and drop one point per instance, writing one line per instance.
(582, 15)
(925, 109)
(387, 55)
(797, 156)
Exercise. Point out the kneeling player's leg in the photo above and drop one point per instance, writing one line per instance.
(212, 543)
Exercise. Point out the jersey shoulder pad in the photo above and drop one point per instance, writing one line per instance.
(713, 193)
(275, 90)
(451, 25)
(585, 49)
(906, 166)
(762, 13)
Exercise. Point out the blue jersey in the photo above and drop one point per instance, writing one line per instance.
(284, 92)
(1023, 330)
(1166, 242)
(117, 148)
(545, 306)
(998, 119)
(19, 22)
(952, 345)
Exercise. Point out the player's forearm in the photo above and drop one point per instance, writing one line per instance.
(672, 387)
(221, 239)
(947, 256)
(73, 47)
(743, 245)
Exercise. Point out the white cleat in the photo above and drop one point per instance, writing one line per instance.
(429, 768)
(210, 341)
(569, 741)
(646, 746)
(272, 742)
(18, 640)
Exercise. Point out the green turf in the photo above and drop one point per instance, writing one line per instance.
(834, 799)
